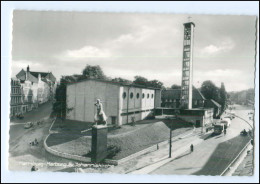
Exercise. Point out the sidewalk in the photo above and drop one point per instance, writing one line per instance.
(178, 148)
(246, 167)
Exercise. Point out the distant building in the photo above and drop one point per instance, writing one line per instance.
(171, 98)
(42, 85)
(16, 98)
(213, 104)
(27, 91)
(200, 117)
(120, 102)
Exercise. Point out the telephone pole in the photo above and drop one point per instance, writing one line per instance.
(170, 141)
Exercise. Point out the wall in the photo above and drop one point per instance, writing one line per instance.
(117, 101)
(83, 95)
(205, 116)
(134, 102)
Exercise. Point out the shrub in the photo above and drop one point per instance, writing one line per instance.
(112, 151)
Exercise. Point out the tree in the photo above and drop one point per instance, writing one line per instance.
(120, 80)
(93, 72)
(175, 86)
(210, 91)
(139, 80)
(223, 96)
(155, 84)
(60, 105)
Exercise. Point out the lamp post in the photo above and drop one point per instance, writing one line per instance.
(170, 141)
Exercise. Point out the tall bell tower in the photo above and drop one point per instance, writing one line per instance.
(187, 62)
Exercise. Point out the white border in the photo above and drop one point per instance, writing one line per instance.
(235, 7)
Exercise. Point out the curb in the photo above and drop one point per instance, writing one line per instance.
(50, 131)
(64, 155)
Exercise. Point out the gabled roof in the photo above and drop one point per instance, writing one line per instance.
(171, 94)
(35, 74)
(176, 94)
(215, 103)
(196, 94)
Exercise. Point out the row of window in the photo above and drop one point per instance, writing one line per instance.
(15, 90)
(16, 100)
(15, 83)
(196, 102)
(137, 95)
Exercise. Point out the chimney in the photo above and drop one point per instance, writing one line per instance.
(39, 77)
(27, 72)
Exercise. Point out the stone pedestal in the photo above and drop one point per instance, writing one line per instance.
(99, 143)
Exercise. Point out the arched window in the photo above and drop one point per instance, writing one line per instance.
(137, 95)
(148, 95)
(143, 95)
(152, 95)
(124, 95)
(131, 95)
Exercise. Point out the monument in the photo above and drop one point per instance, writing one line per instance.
(99, 135)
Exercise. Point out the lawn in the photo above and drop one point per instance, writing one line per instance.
(130, 139)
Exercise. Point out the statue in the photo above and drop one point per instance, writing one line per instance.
(100, 117)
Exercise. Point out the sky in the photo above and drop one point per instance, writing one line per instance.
(130, 44)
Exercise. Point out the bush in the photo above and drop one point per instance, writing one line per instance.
(112, 151)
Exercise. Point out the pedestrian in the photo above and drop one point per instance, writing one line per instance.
(225, 131)
(191, 148)
(34, 168)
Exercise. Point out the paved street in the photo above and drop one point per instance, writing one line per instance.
(21, 155)
(17, 125)
(198, 162)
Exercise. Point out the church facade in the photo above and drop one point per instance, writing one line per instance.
(121, 103)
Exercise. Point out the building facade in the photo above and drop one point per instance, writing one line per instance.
(171, 98)
(216, 106)
(41, 84)
(200, 117)
(28, 103)
(16, 104)
(121, 103)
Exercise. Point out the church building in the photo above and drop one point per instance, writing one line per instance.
(121, 102)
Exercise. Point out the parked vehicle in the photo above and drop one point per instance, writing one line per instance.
(226, 122)
(28, 125)
(233, 114)
(243, 132)
(218, 128)
(20, 116)
(229, 117)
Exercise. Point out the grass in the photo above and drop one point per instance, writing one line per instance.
(130, 139)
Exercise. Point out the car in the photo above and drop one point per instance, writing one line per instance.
(28, 125)
(20, 116)
(226, 122)
(228, 117)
